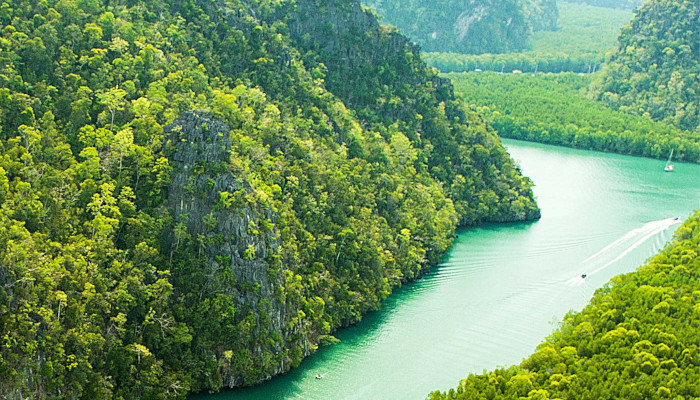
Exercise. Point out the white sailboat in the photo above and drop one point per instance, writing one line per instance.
(669, 164)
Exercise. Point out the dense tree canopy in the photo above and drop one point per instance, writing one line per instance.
(656, 69)
(637, 339)
(552, 108)
(350, 186)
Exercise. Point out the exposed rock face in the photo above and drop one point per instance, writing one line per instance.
(200, 180)
(469, 26)
(360, 71)
(366, 74)
(325, 28)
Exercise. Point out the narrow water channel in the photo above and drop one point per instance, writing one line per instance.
(503, 288)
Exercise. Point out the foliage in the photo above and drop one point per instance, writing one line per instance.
(472, 27)
(553, 109)
(580, 44)
(656, 69)
(618, 4)
(464, 154)
(637, 339)
(104, 293)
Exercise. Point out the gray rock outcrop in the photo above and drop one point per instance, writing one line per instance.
(208, 198)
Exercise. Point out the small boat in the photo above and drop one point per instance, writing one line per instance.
(319, 376)
(669, 164)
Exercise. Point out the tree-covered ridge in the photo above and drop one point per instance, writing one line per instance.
(472, 27)
(656, 69)
(637, 339)
(382, 78)
(128, 222)
(552, 108)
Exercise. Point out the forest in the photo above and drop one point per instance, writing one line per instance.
(471, 27)
(197, 194)
(637, 339)
(553, 108)
(193, 196)
(656, 69)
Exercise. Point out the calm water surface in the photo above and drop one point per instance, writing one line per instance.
(502, 289)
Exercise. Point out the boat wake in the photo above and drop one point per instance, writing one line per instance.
(628, 242)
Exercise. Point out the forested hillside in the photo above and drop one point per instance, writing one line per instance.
(656, 69)
(552, 108)
(638, 339)
(196, 194)
(472, 27)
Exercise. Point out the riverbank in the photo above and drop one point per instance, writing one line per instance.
(502, 288)
(638, 338)
(554, 109)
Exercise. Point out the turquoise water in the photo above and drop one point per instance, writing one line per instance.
(503, 288)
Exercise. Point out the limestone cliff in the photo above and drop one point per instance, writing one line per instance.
(380, 68)
(208, 199)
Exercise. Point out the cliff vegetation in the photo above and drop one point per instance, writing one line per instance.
(196, 194)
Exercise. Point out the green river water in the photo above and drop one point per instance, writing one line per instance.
(502, 288)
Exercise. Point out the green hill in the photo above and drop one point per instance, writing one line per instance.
(656, 69)
(196, 194)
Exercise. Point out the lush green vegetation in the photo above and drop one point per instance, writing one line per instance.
(656, 70)
(553, 109)
(104, 293)
(585, 35)
(621, 4)
(474, 27)
(637, 339)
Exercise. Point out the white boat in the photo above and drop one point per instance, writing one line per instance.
(669, 164)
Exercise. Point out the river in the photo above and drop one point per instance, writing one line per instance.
(502, 288)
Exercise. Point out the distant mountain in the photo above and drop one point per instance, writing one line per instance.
(656, 69)
(469, 26)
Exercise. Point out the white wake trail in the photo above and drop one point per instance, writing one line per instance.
(649, 230)
(627, 236)
(634, 246)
